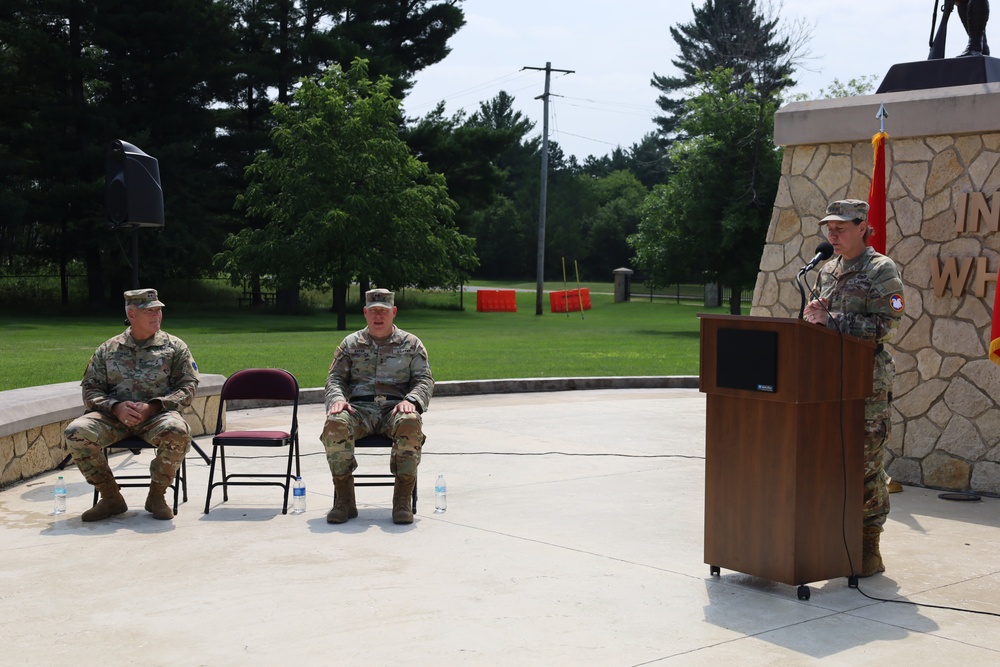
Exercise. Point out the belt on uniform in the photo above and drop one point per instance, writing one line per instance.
(380, 398)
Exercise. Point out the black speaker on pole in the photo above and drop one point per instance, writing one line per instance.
(132, 189)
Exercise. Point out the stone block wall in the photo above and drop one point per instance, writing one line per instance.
(945, 416)
(31, 430)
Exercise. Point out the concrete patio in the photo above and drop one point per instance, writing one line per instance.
(573, 537)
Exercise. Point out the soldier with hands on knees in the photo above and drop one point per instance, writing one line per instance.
(379, 383)
(136, 384)
(861, 294)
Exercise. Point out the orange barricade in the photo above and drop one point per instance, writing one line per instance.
(496, 301)
(570, 301)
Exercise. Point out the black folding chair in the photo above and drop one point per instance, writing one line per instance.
(136, 444)
(377, 479)
(256, 384)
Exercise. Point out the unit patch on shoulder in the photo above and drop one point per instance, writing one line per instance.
(896, 302)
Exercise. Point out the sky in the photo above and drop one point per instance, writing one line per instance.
(615, 47)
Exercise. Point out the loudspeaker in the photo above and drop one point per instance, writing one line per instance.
(132, 189)
(747, 359)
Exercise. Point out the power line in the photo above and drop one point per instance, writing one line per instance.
(646, 114)
(610, 103)
(512, 76)
(598, 141)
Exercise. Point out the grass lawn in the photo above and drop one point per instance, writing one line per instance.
(636, 338)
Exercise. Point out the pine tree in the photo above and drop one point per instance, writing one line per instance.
(739, 35)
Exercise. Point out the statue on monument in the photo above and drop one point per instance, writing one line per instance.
(972, 66)
(974, 14)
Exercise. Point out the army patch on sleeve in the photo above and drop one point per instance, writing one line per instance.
(896, 302)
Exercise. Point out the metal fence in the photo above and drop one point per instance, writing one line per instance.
(686, 293)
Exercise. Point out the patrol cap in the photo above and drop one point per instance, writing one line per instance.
(846, 210)
(142, 299)
(378, 298)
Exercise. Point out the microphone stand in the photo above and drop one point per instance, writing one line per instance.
(802, 292)
(823, 252)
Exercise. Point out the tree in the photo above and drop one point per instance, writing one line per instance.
(649, 161)
(83, 74)
(492, 171)
(862, 85)
(571, 200)
(512, 223)
(465, 152)
(710, 219)
(344, 199)
(738, 35)
(619, 198)
(504, 238)
(398, 37)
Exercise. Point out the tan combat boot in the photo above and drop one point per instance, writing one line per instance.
(344, 506)
(871, 559)
(156, 504)
(402, 499)
(110, 504)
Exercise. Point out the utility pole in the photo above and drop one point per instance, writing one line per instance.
(540, 265)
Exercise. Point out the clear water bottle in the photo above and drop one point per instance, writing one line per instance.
(59, 495)
(298, 496)
(440, 495)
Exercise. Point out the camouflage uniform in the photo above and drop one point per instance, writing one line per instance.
(865, 299)
(157, 370)
(374, 376)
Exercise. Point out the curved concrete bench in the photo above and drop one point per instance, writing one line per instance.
(515, 386)
(32, 419)
(32, 422)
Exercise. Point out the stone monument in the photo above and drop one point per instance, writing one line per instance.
(943, 231)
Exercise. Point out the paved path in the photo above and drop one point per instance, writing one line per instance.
(573, 537)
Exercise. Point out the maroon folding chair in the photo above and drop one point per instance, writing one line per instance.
(267, 384)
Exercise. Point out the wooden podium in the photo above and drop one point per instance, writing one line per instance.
(784, 447)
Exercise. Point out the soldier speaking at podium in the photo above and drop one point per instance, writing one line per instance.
(861, 294)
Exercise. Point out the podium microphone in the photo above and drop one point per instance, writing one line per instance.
(824, 251)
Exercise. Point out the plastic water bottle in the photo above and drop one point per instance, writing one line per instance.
(298, 496)
(59, 493)
(440, 495)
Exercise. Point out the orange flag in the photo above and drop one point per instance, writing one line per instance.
(876, 195)
(995, 331)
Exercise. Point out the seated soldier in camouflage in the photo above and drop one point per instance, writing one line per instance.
(136, 384)
(379, 382)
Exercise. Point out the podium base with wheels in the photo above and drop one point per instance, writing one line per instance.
(803, 591)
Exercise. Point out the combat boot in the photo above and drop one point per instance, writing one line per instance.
(156, 504)
(110, 504)
(976, 47)
(871, 559)
(402, 495)
(344, 505)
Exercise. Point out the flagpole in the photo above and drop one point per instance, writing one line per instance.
(877, 191)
